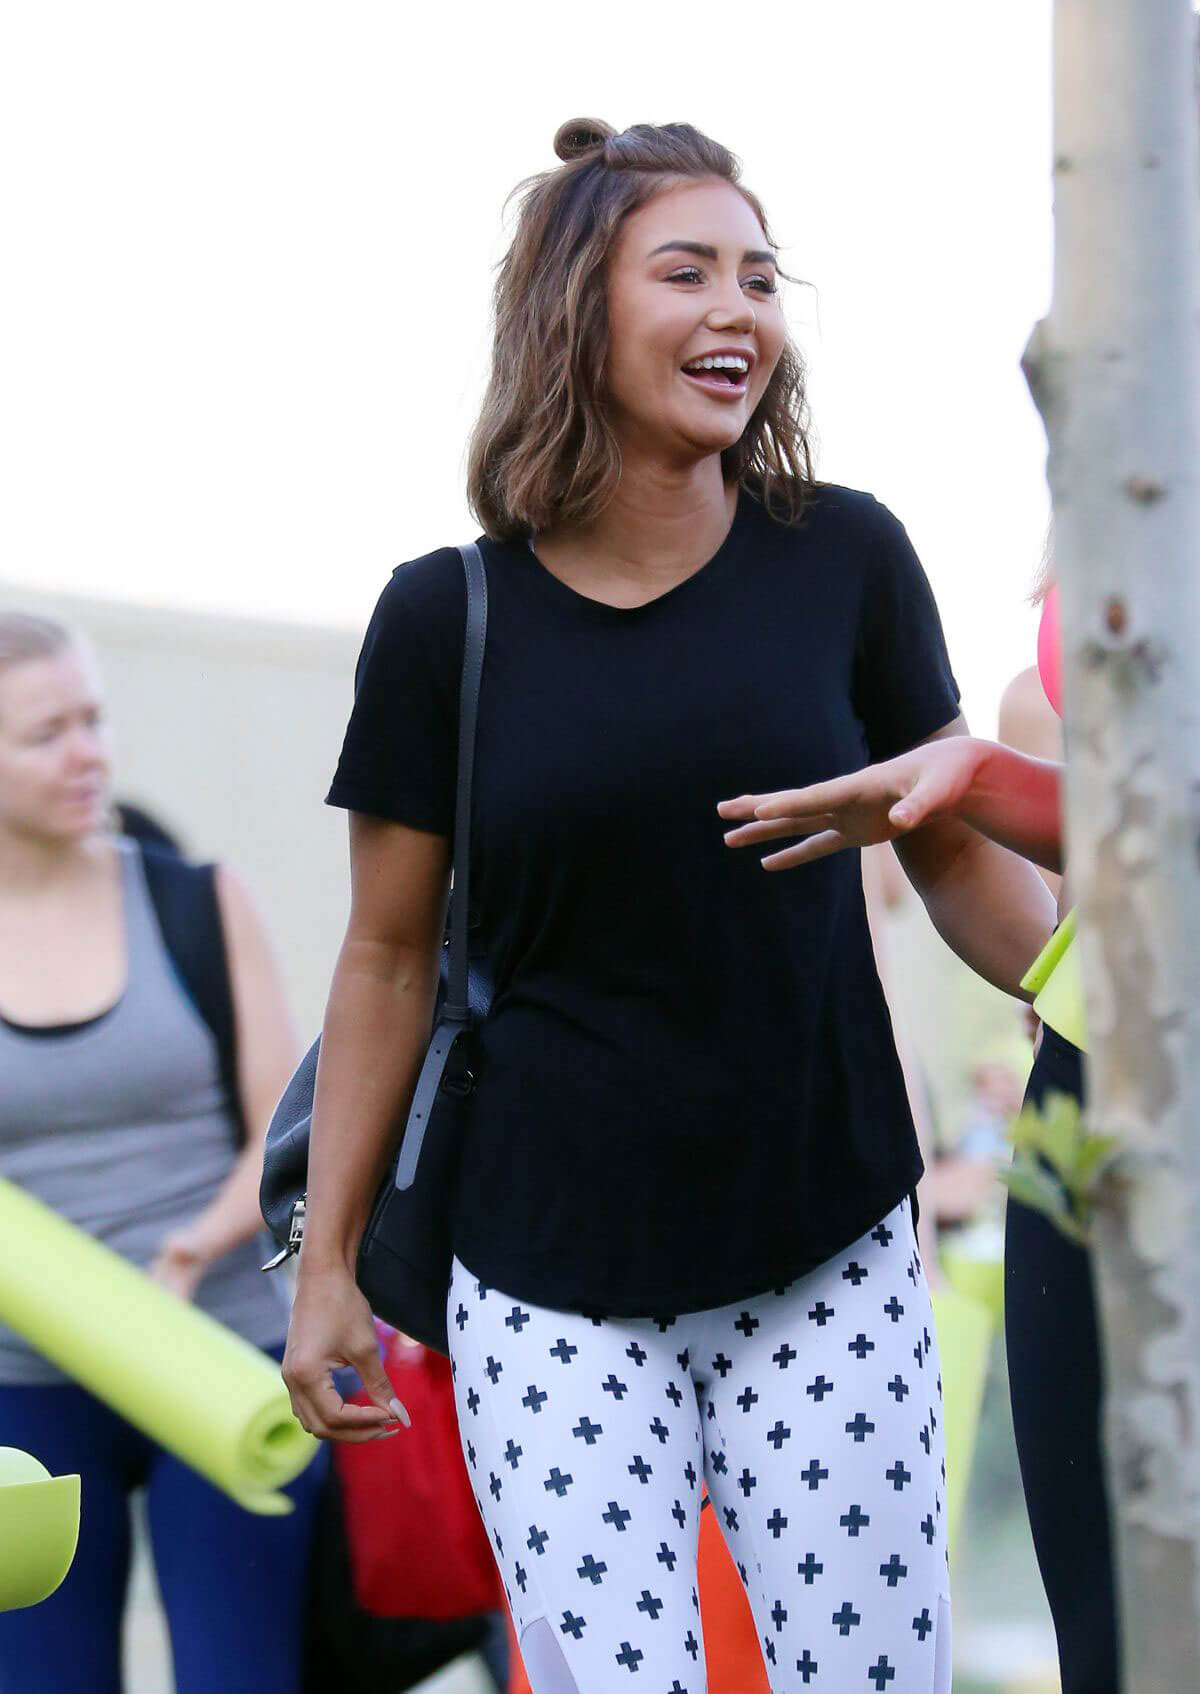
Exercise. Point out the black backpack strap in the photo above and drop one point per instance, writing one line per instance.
(185, 902)
(474, 647)
(455, 1016)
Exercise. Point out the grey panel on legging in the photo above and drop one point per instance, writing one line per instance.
(545, 1665)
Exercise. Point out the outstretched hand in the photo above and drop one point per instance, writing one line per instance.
(878, 803)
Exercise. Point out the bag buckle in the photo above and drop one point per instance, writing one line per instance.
(458, 1078)
(460, 1086)
(295, 1238)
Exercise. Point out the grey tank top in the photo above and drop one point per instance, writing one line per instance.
(122, 1126)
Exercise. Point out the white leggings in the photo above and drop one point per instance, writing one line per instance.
(813, 1414)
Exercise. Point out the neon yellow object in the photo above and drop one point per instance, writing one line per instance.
(964, 1329)
(979, 1279)
(192, 1385)
(39, 1529)
(1054, 978)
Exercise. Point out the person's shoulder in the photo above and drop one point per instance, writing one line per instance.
(1027, 720)
(434, 582)
(827, 508)
(837, 527)
(857, 512)
(423, 599)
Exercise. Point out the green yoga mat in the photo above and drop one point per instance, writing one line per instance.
(1055, 978)
(200, 1391)
(39, 1529)
(964, 1331)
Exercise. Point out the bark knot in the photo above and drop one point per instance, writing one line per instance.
(1144, 490)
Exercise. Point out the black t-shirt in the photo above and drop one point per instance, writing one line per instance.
(689, 1091)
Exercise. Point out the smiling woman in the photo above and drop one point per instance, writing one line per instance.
(682, 1219)
(597, 248)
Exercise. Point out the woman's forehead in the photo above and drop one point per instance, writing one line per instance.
(711, 213)
(41, 687)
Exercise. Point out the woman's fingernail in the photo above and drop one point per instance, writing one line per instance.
(383, 1434)
(397, 1407)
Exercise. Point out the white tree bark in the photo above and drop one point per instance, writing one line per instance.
(1114, 369)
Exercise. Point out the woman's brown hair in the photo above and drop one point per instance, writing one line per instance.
(543, 452)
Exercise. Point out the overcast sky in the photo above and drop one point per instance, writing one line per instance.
(243, 312)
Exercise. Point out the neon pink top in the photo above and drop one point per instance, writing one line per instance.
(1049, 650)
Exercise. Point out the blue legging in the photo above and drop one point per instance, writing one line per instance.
(233, 1585)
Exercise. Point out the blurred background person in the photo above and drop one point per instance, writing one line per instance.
(119, 1110)
(1056, 1369)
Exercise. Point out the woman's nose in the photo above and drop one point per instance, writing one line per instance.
(737, 314)
(86, 747)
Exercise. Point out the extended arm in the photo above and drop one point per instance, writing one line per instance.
(1008, 796)
(1016, 800)
(986, 903)
(959, 812)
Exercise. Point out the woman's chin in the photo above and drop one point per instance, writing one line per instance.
(76, 823)
(706, 436)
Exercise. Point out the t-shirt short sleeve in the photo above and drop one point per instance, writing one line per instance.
(904, 688)
(398, 755)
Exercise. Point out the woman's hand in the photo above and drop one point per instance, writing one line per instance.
(332, 1327)
(876, 804)
(182, 1260)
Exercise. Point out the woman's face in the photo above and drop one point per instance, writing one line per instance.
(55, 755)
(691, 276)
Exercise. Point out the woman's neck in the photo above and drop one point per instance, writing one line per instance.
(659, 527)
(32, 865)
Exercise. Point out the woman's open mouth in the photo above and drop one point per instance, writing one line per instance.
(725, 375)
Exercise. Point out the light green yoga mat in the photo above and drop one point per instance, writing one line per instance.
(964, 1331)
(193, 1386)
(39, 1529)
(1055, 978)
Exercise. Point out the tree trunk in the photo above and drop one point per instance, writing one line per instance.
(1114, 370)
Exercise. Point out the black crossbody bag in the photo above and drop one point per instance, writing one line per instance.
(405, 1257)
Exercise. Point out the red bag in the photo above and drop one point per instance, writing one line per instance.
(417, 1545)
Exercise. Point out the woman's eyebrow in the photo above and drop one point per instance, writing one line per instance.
(752, 256)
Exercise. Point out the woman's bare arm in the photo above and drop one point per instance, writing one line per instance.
(376, 1031)
(1029, 723)
(933, 802)
(266, 1055)
(1005, 795)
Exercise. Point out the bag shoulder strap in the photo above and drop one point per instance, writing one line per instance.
(455, 1016)
(184, 897)
(456, 1009)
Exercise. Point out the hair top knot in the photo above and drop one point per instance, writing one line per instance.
(579, 137)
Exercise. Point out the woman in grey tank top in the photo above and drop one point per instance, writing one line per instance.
(113, 1112)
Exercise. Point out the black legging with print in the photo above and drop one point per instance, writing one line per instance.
(1055, 1378)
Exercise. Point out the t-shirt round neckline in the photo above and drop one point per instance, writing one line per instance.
(603, 611)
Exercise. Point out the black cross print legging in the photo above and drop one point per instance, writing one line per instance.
(813, 1414)
(1055, 1380)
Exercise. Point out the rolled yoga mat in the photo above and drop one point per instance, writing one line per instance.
(1054, 978)
(39, 1529)
(192, 1385)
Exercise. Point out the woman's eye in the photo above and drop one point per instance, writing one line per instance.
(688, 273)
(763, 284)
